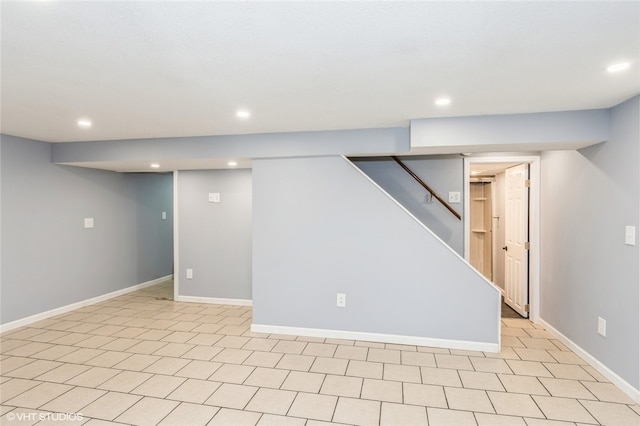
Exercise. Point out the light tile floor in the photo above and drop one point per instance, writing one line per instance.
(144, 360)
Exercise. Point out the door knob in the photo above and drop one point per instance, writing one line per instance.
(505, 248)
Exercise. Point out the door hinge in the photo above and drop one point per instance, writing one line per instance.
(526, 307)
(527, 245)
(527, 183)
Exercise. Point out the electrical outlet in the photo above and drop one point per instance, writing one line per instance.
(341, 300)
(630, 235)
(602, 327)
(164, 215)
(88, 222)
(454, 197)
(214, 197)
(189, 274)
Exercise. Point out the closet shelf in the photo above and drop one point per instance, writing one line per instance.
(479, 199)
(480, 231)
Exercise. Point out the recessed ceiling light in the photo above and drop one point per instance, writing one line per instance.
(442, 101)
(232, 163)
(618, 67)
(84, 123)
(155, 165)
(243, 113)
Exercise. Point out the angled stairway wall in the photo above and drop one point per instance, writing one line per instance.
(322, 227)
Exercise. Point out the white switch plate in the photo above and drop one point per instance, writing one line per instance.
(454, 197)
(164, 215)
(341, 300)
(214, 197)
(88, 222)
(189, 274)
(630, 235)
(602, 327)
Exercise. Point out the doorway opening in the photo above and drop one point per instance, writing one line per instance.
(501, 223)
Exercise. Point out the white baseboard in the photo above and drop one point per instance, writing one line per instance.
(377, 337)
(214, 300)
(68, 308)
(600, 367)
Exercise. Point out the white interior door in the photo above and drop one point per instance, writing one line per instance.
(516, 274)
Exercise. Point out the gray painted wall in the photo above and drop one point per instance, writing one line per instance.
(49, 259)
(588, 197)
(442, 173)
(215, 238)
(322, 228)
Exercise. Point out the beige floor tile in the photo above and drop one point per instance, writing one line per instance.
(595, 374)
(370, 370)
(107, 330)
(351, 352)
(271, 401)
(439, 376)
(73, 401)
(468, 399)
(567, 371)
(198, 369)
(612, 414)
(442, 417)
(63, 373)
(320, 349)
(21, 416)
(98, 422)
(195, 391)
(29, 349)
(15, 387)
(479, 380)
(38, 395)
(529, 368)
(273, 420)
(387, 356)
(228, 417)
(81, 356)
(342, 386)
(607, 392)
(147, 411)
(189, 414)
(382, 390)
(313, 406)
(263, 359)
(108, 359)
(329, 366)
(184, 326)
(232, 356)
(517, 323)
(533, 343)
(33, 369)
(159, 386)
(421, 359)
(505, 353)
(522, 384)
(514, 332)
(296, 362)
(167, 365)
(544, 422)
(484, 419)
(94, 342)
(402, 373)
(202, 353)
(257, 344)
(231, 373)
(147, 347)
(357, 412)
(514, 404)
(120, 344)
(234, 330)
(154, 335)
(266, 378)
(174, 349)
(426, 395)
(179, 337)
(303, 382)
(566, 388)
(232, 396)
(130, 332)
(378, 345)
(137, 362)
(527, 354)
(564, 357)
(563, 409)
(289, 347)
(234, 342)
(490, 365)
(205, 339)
(125, 381)
(56, 352)
(11, 363)
(512, 342)
(93, 377)
(457, 362)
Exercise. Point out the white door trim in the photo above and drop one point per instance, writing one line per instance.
(534, 219)
(176, 239)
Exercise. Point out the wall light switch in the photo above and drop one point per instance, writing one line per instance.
(602, 327)
(214, 197)
(341, 300)
(630, 235)
(88, 222)
(164, 215)
(454, 197)
(189, 274)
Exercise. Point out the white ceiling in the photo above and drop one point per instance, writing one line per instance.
(161, 69)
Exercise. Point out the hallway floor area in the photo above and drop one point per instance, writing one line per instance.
(141, 359)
